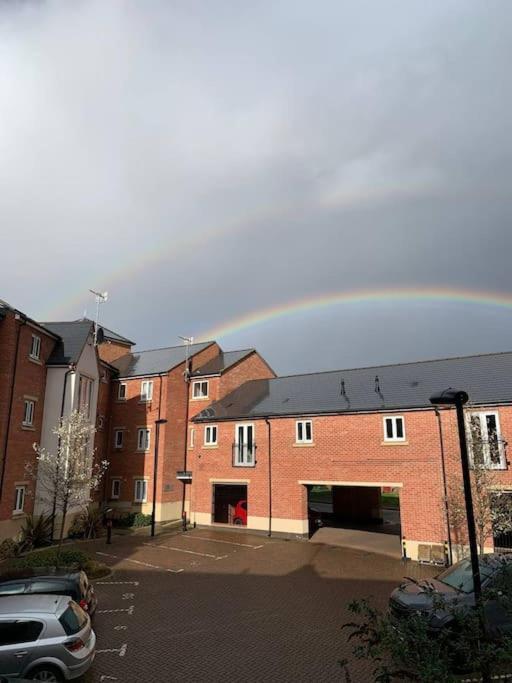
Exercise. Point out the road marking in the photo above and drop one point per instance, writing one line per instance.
(497, 677)
(144, 564)
(217, 540)
(128, 596)
(129, 610)
(115, 583)
(182, 550)
(107, 678)
(120, 650)
(120, 628)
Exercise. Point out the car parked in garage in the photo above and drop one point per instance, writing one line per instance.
(50, 581)
(452, 590)
(240, 513)
(45, 638)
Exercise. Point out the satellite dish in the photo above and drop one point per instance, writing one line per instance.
(100, 336)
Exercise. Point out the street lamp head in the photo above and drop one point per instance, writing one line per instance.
(449, 397)
(160, 422)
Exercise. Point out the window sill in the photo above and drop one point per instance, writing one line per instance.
(395, 443)
(18, 514)
(307, 444)
(121, 400)
(141, 450)
(210, 446)
(37, 361)
(28, 428)
(145, 401)
(199, 398)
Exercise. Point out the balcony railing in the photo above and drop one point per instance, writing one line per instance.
(489, 453)
(244, 454)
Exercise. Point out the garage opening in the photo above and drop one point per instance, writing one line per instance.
(229, 502)
(370, 510)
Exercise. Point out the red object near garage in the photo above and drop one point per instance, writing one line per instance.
(240, 515)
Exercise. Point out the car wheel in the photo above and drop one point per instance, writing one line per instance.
(46, 673)
(237, 521)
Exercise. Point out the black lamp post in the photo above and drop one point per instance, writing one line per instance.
(155, 472)
(457, 398)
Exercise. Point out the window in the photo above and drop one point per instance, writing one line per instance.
(146, 390)
(19, 498)
(244, 448)
(191, 439)
(35, 347)
(394, 428)
(73, 619)
(16, 631)
(304, 431)
(121, 392)
(85, 394)
(118, 438)
(141, 490)
(210, 435)
(486, 445)
(116, 488)
(143, 439)
(28, 413)
(101, 421)
(200, 389)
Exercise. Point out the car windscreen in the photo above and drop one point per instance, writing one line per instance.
(53, 587)
(73, 620)
(460, 576)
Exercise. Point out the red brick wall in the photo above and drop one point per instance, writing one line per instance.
(110, 351)
(30, 382)
(252, 367)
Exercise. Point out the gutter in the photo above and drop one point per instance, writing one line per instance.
(11, 399)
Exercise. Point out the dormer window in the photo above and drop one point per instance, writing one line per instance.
(200, 389)
(35, 347)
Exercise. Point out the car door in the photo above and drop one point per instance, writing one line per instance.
(16, 642)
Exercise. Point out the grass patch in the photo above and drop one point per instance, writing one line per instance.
(67, 558)
(390, 501)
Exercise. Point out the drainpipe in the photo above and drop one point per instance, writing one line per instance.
(445, 490)
(269, 477)
(187, 373)
(11, 401)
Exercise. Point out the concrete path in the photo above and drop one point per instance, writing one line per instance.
(356, 539)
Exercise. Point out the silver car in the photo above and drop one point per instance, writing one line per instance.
(44, 638)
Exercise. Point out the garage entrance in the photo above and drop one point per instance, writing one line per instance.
(366, 516)
(229, 504)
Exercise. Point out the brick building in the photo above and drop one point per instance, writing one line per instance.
(356, 431)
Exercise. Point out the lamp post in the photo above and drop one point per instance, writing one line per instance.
(155, 472)
(458, 398)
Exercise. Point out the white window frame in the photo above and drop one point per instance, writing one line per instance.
(113, 494)
(101, 422)
(35, 347)
(146, 394)
(245, 461)
(123, 386)
(116, 433)
(209, 431)
(147, 440)
(136, 497)
(394, 419)
(19, 498)
(304, 438)
(88, 383)
(29, 410)
(200, 396)
(482, 415)
(192, 433)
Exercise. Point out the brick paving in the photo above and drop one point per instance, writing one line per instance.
(234, 612)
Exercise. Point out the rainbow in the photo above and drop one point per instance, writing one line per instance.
(360, 296)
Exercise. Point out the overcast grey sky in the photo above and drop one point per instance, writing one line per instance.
(204, 160)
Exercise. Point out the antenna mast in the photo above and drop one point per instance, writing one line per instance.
(188, 341)
(101, 298)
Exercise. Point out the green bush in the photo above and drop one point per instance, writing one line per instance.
(87, 524)
(8, 549)
(35, 532)
(141, 519)
(52, 558)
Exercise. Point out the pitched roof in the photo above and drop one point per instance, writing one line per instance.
(155, 361)
(73, 337)
(109, 334)
(222, 362)
(5, 307)
(487, 379)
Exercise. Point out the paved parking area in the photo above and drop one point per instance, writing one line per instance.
(225, 606)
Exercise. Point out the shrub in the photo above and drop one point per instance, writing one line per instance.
(87, 524)
(35, 532)
(52, 558)
(8, 549)
(141, 520)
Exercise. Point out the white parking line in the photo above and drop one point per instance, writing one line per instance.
(182, 550)
(129, 610)
(144, 564)
(217, 540)
(116, 583)
(120, 650)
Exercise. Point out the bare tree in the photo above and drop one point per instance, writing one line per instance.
(67, 478)
(491, 504)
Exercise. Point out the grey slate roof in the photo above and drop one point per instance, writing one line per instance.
(222, 362)
(155, 361)
(73, 336)
(486, 378)
(109, 334)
